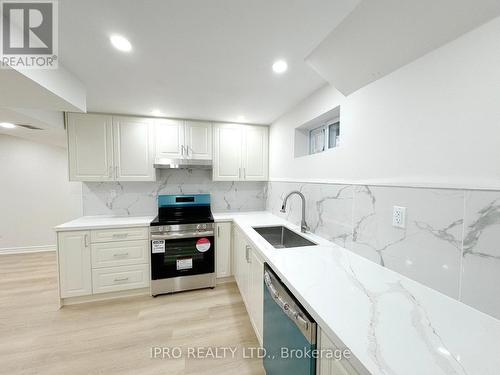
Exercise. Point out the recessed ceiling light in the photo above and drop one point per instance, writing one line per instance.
(156, 112)
(120, 43)
(280, 66)
(7, 125)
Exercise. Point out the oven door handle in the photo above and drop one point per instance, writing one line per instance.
(175, 235)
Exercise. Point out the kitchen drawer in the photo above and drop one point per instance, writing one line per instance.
(119, 234)
(119, 253)
(114, 279)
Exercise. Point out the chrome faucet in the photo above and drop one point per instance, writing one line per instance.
(303, 225)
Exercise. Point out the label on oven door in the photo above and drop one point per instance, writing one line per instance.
(157, 246)
(184, 264)
(203, 244)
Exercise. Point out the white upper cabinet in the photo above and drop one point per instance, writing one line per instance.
(198, 140)
(110, 148)
(134, 149)
(240, 152)
(255, 153)
(228, 139)
(177, 139)
(90, 147)
(169, 138)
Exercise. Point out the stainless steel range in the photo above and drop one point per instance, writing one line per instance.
(182, 244)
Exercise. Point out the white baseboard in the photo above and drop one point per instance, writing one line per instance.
(27, 249)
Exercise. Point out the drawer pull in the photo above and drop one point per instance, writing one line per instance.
(120, 255)
(120, 235)
(121, 279)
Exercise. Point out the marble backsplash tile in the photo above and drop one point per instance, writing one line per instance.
(328, 208)
(140, 198)
(481, 255)
(451, 242)
(428, 249)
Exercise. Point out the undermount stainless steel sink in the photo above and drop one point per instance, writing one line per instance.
(281, 237)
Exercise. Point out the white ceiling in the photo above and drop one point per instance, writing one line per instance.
(369, 34)
(196, 59)
(51, 123)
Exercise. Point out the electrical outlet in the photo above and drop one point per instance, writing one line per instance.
(399, 217)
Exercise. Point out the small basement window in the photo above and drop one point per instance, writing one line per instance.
(324, 137)
(319, 134)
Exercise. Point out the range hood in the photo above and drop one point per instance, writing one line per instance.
(166, 163)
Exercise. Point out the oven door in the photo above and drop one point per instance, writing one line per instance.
(182, 254)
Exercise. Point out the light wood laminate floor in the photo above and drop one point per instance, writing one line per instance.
(114, 337)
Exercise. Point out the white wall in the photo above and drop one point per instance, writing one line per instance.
(434, 122)
(35, 194)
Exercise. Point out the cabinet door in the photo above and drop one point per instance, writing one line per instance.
(241, 265)
(169, 139)
(227, 152)
(223, 250)
(255, 153)
(256, 291)
(235, 256)
(73, 254)
(90, 147)
(331, 366)
(198, 140)
(134, 149)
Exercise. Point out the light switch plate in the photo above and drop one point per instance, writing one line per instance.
(399, 217)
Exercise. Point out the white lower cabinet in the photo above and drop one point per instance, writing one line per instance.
(102, 260)
(223, 250)
(256, 293)
(120, 253)
(120, 234)
(249, 275)
(74, 264)
(331, 366)
(114, 279)
(240, 262)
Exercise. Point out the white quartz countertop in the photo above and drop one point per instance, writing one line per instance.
(105, 222)
(391, 324)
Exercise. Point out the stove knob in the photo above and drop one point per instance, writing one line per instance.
(201, 226)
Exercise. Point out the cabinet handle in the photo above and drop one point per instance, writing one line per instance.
(218, 231)
(247, 253)
(239, 172)
(244, 173)
(120, 235)
(182, 150)
(187, 151)
(121, 279)
(86, 240)
(120, 255)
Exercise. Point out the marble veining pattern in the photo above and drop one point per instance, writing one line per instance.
(428, 249)
(481, 252)
(451, 242)
(370, 309)
(140, 198)
(328, 208)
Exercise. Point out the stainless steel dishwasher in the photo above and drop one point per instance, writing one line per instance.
(289, 331)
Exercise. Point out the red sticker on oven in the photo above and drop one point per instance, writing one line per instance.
(203, 244)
